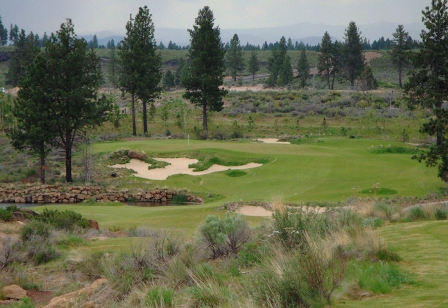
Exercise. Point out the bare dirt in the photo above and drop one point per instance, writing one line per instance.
(370, 55)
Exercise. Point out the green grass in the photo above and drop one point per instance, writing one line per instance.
(424, 249)
(328, 170)
(380, 191)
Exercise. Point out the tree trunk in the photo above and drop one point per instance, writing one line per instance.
(439, 137)
(134, 127)
(399, 74)
(204, 117)
(42, 169)
(68, 157)
(332, 81)
(145, 120)
(328, 80)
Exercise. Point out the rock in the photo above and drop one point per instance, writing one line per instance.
(136, 155)
(67, 300)
(94, 224)
(13, 292)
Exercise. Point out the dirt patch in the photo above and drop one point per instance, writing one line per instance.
(40, 298)
(370, 55)
(177, 166)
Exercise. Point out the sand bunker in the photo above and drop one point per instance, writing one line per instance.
(177, 166)
(254, 211)
(272, 140)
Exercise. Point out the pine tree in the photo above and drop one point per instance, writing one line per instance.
(26, 48)
(428, 83)
(286, 73)
(353, 53)
(399, 48)
(234, 57)
(303, 68)
(276, 61)
(206, 65)
(65, 82)
(3, 34)
(13, 33)
(140, 64)
(326, 58)
(36, 128)
(113, 66)
(254, 64)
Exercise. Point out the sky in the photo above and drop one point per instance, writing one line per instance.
(95, 16)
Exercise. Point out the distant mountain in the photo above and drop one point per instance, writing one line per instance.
(308, 33)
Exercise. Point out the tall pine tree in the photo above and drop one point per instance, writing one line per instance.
(399, 48)
(326, 58)
(70, 77)
(234, 57)
(254, 64)
(140, 64)
(203, 84)
(428, 82)
(353, 53)
(26, 48)
(303, 68)
(36, 130)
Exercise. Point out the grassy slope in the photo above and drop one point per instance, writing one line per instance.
(327, 170)
(424, 249)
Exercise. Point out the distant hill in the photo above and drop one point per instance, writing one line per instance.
(308, 33)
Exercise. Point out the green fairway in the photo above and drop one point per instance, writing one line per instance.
(330, 169)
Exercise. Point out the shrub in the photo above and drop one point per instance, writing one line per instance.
(417, 213)
(65, 220)
(441, 214)
(224, 237)
(36, 228)
(179, 199)
(291, 226)
(40, 250)
(5, 215)
(159, 297)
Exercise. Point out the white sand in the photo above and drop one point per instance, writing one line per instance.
(254, 211)
(272, 140)
(177, 166)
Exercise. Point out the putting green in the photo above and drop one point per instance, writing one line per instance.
(330, 169)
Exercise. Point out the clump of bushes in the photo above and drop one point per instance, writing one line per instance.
(65, 220)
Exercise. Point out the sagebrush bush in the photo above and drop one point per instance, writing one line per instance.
(36, 228)
(224, 237)
(441, 214)
(417, 213)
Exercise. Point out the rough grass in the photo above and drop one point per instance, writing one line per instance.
(423, 247)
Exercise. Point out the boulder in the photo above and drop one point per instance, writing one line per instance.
(69, 299)
(94, 224)
(13, 292)
(136, 155)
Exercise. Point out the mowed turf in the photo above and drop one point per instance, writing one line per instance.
(424, 249)
(330, 169)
